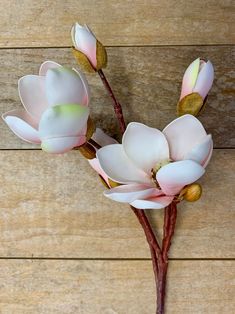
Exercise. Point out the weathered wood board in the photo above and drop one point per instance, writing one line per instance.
(47, 23)
(114, 287)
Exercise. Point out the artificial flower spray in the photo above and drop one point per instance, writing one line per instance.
(149, 169)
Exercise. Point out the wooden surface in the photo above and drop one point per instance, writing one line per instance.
(64, 247)
(47, 23)
(111, 287)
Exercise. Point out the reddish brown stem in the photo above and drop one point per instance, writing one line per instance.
(116, 105)
(172, 210)
(150, 236)
(161, 287)
(152, 241)
(159, 256)
(168, 231)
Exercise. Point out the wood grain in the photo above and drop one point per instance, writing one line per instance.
(147, 81)
(114, 287)
(53, 206)
(28, 23)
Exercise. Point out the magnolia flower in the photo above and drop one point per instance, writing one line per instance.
(153, 166)
(88, 48)
(198, 78)
(56, 108)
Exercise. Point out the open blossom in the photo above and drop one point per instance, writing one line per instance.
(198, 78)
(90, 48)
(153, 166)
(55, 108)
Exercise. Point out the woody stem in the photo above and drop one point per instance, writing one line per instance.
(116, 105)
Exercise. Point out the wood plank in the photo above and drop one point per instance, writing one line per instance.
(53, 206)
(123, 287)
(29, 23)
(146, 79)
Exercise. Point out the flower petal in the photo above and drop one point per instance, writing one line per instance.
(145, 146)
(84, 40)
(94, 163)
(174, 176)
(85, 85)
(23, 125)
(63, 121)
(183, 134)
(62, 145)
(45, 66)
(102, 138)
(189, 78)
(32, 93)
(201, 151)
(153, 203)
(204, 80)
(119, 167)
(65, 86)
(131, 192)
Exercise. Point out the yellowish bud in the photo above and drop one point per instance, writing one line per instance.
(190, 104)
(191, 193)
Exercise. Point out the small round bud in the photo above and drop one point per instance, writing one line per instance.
(191, 193)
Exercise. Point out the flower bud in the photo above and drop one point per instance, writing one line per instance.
(88, 51)
(191, 193)
(197, 82)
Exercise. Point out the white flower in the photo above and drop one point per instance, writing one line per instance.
(55, 108)
(154, 166)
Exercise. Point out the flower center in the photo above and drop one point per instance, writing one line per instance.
(156, 168)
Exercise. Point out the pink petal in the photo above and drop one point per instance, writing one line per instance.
(102, 138)
(33, 95)
(131, 192)
(204, 80)
(45, 66)
(201, 151)
(208, 157)
(66, 86)
(23, 125)
(145, 146)
(94, 163)
(189, 78)
(119, 167)
(183, 134)
(85, 41)
(153, 203)
(87, 95)
(174, 176)
(62, 145)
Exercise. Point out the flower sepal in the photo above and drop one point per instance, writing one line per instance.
(190, 104)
